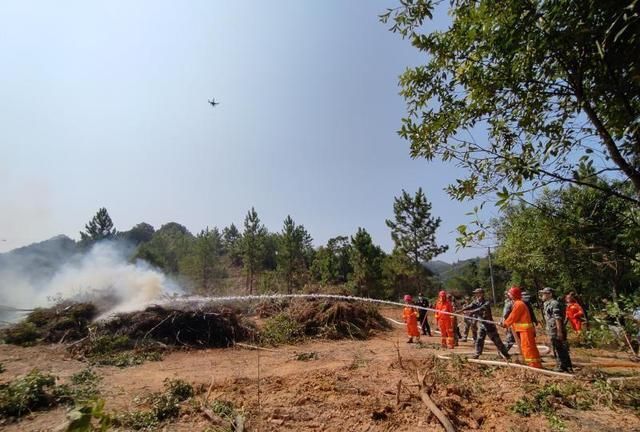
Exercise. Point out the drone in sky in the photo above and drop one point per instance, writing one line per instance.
(213, 102)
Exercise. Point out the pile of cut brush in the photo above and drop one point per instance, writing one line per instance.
(207, 327)
(202, 328)
(330, 319)
(62, 322)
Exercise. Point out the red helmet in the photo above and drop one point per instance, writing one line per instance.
(442, 294)
(515, 292)
(408, 298)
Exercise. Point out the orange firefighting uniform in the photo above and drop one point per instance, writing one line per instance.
(575, 314)
(445, 321)
(410, 316)
(520, 322)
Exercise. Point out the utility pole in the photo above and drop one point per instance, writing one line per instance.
(493, 287)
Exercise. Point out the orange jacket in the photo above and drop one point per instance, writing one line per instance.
(574, 311)
(409, 314)
(519, 319)
(444, 306)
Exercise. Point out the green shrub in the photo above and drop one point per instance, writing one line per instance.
(105, 345)
(164, 406)
(281, 329)
(23, 333)
(29, 393)
(81, 418)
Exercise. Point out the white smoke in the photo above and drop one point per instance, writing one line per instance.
(102, 273)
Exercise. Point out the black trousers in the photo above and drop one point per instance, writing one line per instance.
(424, 324)
(490, 330)
(561, 353)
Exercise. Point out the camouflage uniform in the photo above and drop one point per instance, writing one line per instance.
(469, 324)
(482, 309)
(554, 310)
(509, 340)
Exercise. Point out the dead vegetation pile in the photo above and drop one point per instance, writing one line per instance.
(320, 319)
(338, 319)
(207, 327)
(62, 322)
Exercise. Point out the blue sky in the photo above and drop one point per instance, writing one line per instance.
(105, 104)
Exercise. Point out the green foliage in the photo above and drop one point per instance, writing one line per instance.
(83, 386)
(23, 333)
(167, 248)
(141, 233)
(547, 399)
(89, 417)
(554, 84)
(281, 329)
(29, 393)
(100, 227)
(232, 244)
(224, 409)
(253, 242)
(163, 406)
(575, 239)
(414, 229)
(331, 264)
(293, 249)
(2, 368)
(366, 260)
(202, 260)
(127, 358)
(119, 351)
(107, 344)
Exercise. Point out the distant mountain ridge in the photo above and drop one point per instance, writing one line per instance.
(40, 260)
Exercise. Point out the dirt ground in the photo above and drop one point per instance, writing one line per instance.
(349, 386)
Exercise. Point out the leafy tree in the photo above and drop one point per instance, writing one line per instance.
(253, 240)
(574, 239)
(141, 233)
(294, 242)
(100, 227)
(202, 264)
(366, 260)
(167, 248)
(331, 263)
(554, 85)
(231, 242)
(414, 229)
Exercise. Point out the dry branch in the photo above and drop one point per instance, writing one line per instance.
(426, 399)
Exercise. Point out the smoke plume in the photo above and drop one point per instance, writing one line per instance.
(102, 275)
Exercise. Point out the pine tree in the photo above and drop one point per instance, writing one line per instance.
(231, 242)
(294, 242)
(252, 247)
(202, 264)
(100, 227)
(414, 229)
(366, 260)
